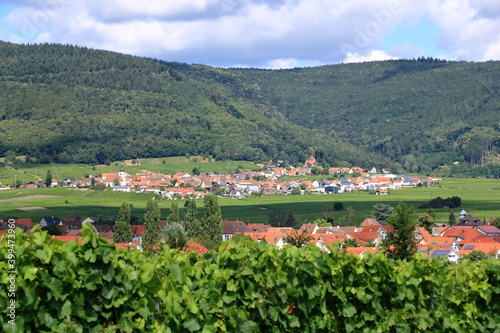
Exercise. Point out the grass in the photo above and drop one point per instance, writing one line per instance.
(29, 172)
(480, 197)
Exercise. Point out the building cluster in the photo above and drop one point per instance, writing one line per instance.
(268, 181)
(451, 241)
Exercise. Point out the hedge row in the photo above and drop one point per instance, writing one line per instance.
(246, 287)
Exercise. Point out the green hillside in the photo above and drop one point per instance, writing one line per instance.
(67, 104)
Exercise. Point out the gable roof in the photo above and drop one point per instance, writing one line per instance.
(486, 248)
(359, 250)
(488, 230)
(235, 227)
(51, 219)
(25, 221)
(369, 221)
(195, 247)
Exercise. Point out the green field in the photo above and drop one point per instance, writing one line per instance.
(480, 197)
(38, 172)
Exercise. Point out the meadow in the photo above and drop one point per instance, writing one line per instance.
(167, 165)
(480, 197)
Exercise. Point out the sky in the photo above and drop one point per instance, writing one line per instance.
(262, 33)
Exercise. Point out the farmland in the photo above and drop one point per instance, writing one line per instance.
(480, 197)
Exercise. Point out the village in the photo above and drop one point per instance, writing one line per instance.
(267, 181)
(448, 241)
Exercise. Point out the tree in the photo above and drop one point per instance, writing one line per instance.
(174, 235)
(212, 220)
(241, 238)
(322, 222)
(277, 218)
(349, 217)
(452, 219)
(297, 238)
(291, 221)
(151, 224)
(123, 233)
(351, 242)
(426, 221)
(52, 229)
(328, 213)
(338, 206)
(475, 256)
(381, 212)
(400, 245)
(48, 178)
(191, 223)
(196, 171)
(174, 216)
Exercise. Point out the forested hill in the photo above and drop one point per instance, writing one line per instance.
(70, 104)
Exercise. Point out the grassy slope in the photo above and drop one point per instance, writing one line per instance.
(28, 172)
(480, 197)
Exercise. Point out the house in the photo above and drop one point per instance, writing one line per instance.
(24, 223)
(229, 228)
(324, 240)
(309, 229)
(121, 188)
(310, 163)
(468, 219)
(450, 254)
(71, 182)
(371, 170)
(46, 220)
(369, 222)
(381, 192)
(331, 188)
(367, 237)
(93, 220)
(236, 194)
(488, 230)
(492, 249)
(361, 251)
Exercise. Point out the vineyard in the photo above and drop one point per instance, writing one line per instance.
(92, 286)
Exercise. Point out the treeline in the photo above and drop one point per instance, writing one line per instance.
(92, 285)
(60, 103)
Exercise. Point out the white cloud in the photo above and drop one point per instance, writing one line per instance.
(374, 55)
(283, 63)
(258, 33)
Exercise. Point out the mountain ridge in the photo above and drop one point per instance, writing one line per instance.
(93, 106)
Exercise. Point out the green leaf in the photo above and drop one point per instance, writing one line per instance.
(65, 309)
(192, 325)
(249, 327)
(349, 310)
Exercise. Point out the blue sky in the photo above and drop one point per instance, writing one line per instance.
(262, 33)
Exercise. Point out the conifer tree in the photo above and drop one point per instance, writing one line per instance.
(123, 232)
(212, 221)
(48, 178)
(349, 218)
(191, 224)
(151, 224)
(174, 216)
(452, 219)
(401, 245)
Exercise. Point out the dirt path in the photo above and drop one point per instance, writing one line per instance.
(30, 197)
(26, 173)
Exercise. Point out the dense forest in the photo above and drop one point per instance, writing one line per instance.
(61, 103)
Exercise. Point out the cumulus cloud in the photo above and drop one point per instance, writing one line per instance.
(374, 55)
(258, 33)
